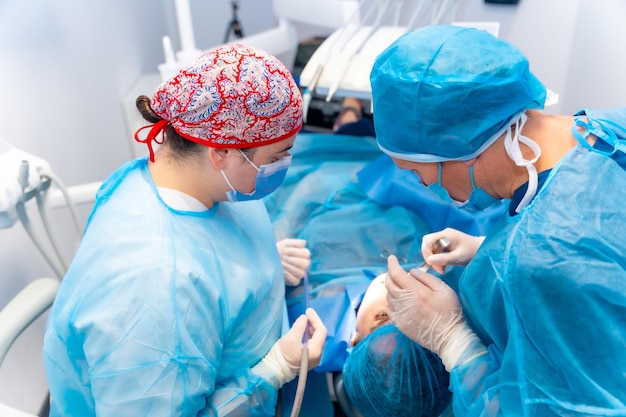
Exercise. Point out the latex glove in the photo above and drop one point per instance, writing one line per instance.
(282, 363)
(427, 310)
(295, 258)
(462, 249)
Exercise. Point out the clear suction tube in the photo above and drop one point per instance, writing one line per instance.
(304, 360)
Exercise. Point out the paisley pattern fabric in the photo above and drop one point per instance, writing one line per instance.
(231, 96)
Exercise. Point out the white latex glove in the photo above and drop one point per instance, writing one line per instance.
(282, 363)
(295, 258)
(462, 248)
(427, 310)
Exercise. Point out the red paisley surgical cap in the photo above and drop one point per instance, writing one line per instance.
(231, 96)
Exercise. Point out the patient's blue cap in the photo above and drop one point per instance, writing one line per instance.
(446, 93)
(388, 374)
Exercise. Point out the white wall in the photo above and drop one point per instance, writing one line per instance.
(597, 77)
(65, 67)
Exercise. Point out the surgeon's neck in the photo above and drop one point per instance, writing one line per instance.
(188, 176)
(553, 135)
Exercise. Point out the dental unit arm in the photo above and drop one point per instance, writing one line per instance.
(14, 178)
(25, 177)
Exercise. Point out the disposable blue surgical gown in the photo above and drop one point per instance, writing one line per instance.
(164, 312)
(546, 292)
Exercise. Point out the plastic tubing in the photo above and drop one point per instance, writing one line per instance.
(21, 214)
(68, 198)
(304, 360)
(46, 224)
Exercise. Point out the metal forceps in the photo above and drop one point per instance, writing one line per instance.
(441, 245)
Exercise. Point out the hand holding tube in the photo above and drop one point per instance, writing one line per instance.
(427, 310)
(282, 363)
(462, 248)
(295, 258)
(291, 343)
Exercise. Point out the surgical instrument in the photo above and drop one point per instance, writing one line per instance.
(441, 245)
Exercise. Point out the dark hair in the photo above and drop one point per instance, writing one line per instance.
(388, 374)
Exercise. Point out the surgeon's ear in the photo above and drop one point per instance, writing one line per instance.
(218, 157)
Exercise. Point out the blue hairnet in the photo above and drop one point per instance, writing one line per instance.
(387, 374)
(445, 92)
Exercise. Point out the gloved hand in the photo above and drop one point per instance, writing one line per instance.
(295, 258)
(427, 310)
(462, 248)
(282, 363)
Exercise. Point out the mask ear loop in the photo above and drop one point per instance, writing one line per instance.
(512, 147)
(155, 129)
(248, 159)
(471, 169)
(227, 182)
(596, 128)
(439, 169)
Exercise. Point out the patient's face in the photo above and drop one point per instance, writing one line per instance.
(372, 312)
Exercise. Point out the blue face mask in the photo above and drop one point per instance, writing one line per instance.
(437, 189)
(268, 179)
(478, 199)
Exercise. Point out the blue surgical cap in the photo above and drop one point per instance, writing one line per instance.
(446, 93)
(388, 374)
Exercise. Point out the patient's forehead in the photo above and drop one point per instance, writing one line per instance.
(375, 296)
(377, 285)
(372, 311)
